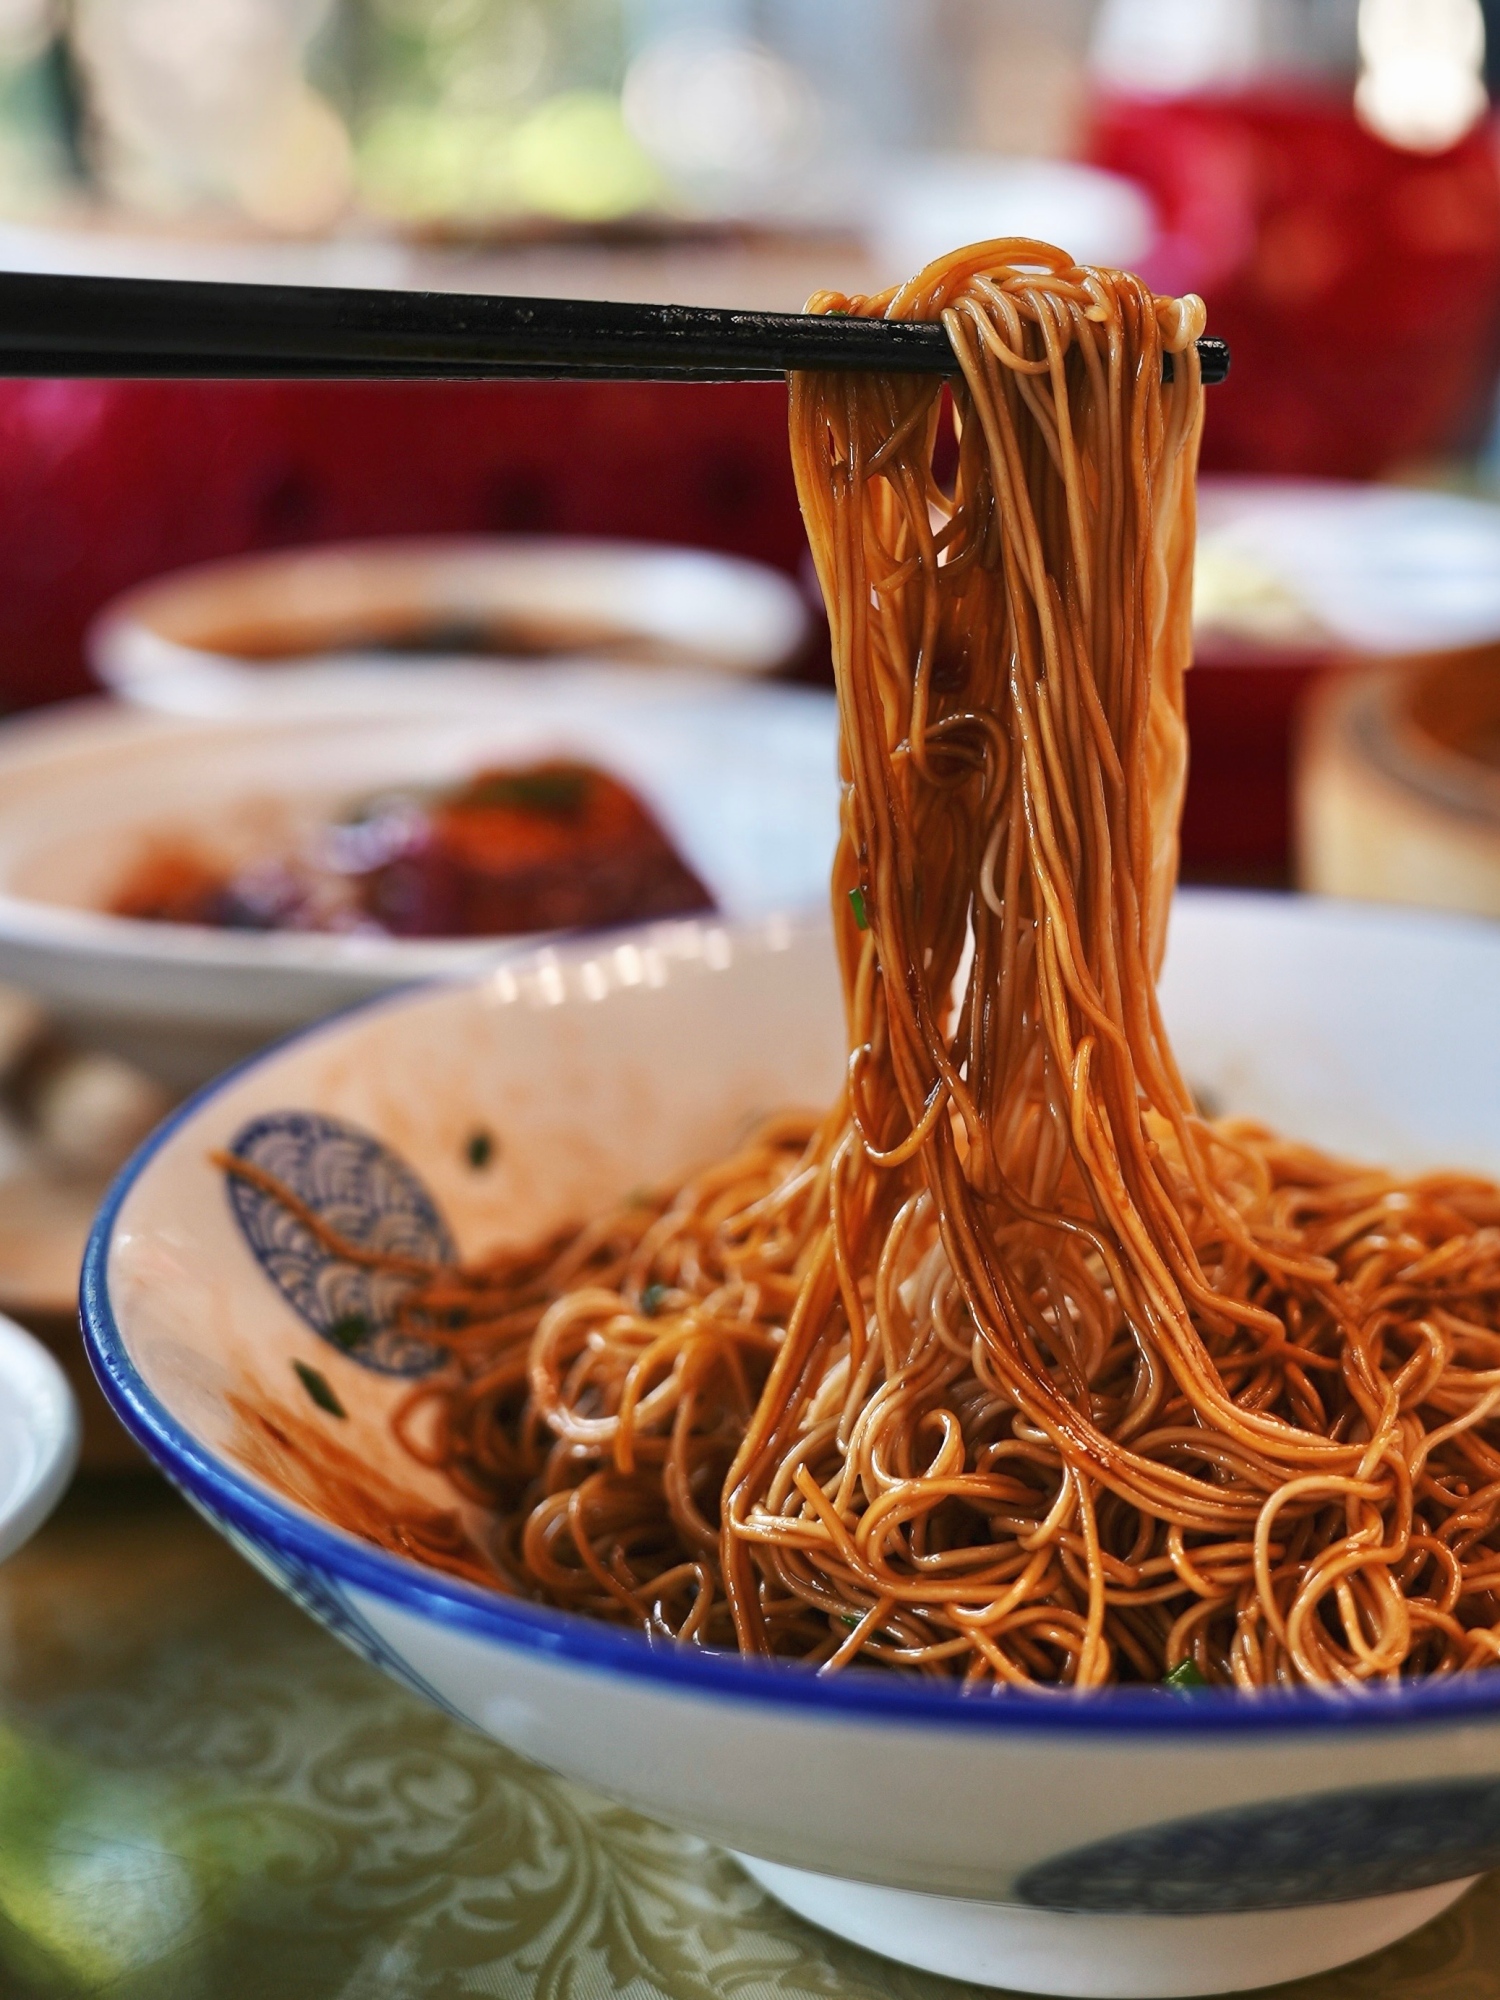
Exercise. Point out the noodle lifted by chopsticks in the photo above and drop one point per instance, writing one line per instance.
(1012, 1368)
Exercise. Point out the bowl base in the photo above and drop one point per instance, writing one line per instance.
(1099, 1957)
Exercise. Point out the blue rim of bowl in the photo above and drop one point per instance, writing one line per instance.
(230, 1497)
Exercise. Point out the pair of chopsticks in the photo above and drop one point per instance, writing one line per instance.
(164, 328)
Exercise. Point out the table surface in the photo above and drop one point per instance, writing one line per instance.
(203, 1797)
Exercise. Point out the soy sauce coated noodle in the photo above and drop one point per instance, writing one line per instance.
(1011, 1368)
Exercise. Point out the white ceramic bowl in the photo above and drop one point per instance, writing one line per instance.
(1135, 1843)
(38, 1435)
(172, 643)
(743, 777)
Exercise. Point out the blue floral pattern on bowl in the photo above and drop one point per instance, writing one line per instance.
(1332, 1847)
(323, 1597)
(369, 1198)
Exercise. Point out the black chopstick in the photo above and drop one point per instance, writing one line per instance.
(167, 328)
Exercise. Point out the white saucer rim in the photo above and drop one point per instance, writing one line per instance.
(27, 1367)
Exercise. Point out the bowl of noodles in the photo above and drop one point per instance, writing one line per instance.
(948, 1409)
(1198, 1830)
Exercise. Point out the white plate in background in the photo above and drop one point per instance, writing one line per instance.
(1370, 568)
(742, 776)
(920, 204)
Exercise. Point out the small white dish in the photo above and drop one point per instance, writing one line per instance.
(743, 777)
(279, 632)
(38, 1435)
(1132, 1843)
(1368, 568)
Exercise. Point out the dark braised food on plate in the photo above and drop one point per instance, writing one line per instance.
(538, 847)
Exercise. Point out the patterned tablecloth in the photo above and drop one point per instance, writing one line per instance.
(204, 1798)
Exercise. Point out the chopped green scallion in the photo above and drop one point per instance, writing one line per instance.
(857, 904)
(317, 1387)
(348, 1330)
(1184, 1678)
(651, 1299)
(560, 791)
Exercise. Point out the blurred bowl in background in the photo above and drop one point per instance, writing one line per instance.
(919, 205)
(1398, 784)
(1296, 578)
(742, 778)
(38, 1435)
(316, 626)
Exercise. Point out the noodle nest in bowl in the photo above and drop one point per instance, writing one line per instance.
(1010, 1368)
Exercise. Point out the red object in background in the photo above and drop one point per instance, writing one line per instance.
(1358, 285)
(103, 484)
(1241, 717)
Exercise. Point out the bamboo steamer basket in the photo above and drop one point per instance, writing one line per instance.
(1397, 783)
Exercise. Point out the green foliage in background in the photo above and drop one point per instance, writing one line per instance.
(477, 111)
